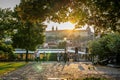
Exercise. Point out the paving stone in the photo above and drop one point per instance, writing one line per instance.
(69, 71)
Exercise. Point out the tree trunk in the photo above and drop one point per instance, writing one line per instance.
(26, 55)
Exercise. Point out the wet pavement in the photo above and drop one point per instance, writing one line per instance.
(61, 71)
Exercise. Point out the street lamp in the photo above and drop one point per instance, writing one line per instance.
(65, 38)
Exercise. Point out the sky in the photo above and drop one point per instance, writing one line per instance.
(60, 26)
(12, 3)
(8, 3)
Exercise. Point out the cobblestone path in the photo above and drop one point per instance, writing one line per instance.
(61, 71)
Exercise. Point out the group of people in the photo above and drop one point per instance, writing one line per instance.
(60, 56)
(67, 56)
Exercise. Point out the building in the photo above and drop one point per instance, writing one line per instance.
(75, 38)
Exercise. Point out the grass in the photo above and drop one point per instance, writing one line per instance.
(6, 67)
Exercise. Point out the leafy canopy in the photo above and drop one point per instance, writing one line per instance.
(8, 23)
(30, 35)
(103, 14)
(105, 47)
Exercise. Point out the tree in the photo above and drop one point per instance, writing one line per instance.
(8, 23)
(6, 52)
(39, 10)
(109, 13)
(106, 47)
(114, 46)
(62, 45)
(28, 36)
(95, 49)
(104, 15)
(31, 14)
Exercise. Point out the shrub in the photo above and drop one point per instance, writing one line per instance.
(7, 52)
(106, 46)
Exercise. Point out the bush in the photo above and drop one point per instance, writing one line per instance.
(50, 57)
(105, 47)
(7, 52)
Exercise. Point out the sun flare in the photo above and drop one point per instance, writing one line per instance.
(69, 25)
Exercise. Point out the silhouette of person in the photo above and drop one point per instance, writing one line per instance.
(37, 55)
(65, 57)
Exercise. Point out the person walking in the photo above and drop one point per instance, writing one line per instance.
(37, 55)
(58, 57)
(65, 57)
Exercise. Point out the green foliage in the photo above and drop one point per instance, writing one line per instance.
(29, 36)
(8, 23)
(40, 9)
(49, 57)
(104, 14)
(52, 57)
(7, 52)
(114, 44)
(62, 45)
(95, 47)
(106, 46)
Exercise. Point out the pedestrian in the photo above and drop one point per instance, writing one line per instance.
(65, 57)
(37, 55)
(61, 56)
(58, 57)
(68, 56)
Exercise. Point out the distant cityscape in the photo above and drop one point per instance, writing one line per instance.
(73, 38)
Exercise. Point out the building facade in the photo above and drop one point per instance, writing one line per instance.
(74, 38)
